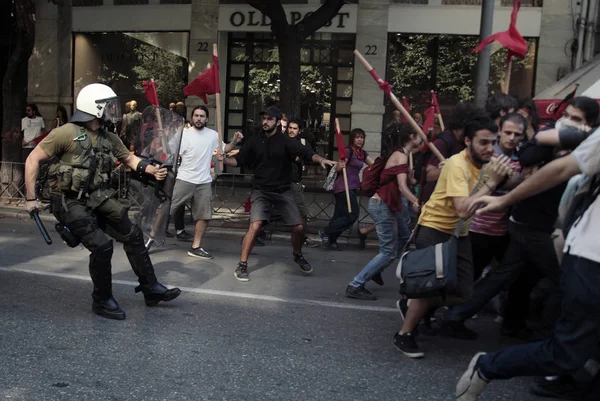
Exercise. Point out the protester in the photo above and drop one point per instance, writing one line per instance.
(342, 218)
(194, 180)
(389, 206)
(489, 231)
(270, 155)
(294, 131)
(449, 143)
(455, 189)
(531, 245)
(529, 110)
(31, 126)
(576, 334)
(61, 117)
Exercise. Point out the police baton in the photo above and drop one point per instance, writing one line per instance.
(35, 215)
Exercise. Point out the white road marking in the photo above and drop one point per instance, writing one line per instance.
(230, 294)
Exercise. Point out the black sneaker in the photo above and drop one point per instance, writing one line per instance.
(199, 253)
(360, 293)
(310, 243)
(457, 330)
(377, 279)
(402, 305)
(185, 236)
(241, 272)
(563, 387)
(169, 234)
(407, 344)
(304, 265)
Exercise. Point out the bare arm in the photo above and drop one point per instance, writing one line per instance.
(32, 165)
(462, 204)
(230, 161)
(433, 173)
(369, 161)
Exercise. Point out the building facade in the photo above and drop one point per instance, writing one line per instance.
(418, 44)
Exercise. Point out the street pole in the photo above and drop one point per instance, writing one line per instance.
(483, 57)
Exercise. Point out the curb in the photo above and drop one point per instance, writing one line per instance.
(219, 231)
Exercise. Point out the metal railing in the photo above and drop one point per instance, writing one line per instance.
(230, 193)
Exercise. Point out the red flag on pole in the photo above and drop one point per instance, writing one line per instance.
(406, 106)
(560, 109)
(207, 83)
(434, 103)
(150, 90)
(340, 144)
(429, 121)
(510, 39)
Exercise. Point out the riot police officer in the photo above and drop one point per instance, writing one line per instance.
(83, 201)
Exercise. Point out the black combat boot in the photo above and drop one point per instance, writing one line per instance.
(154, 292)
(100, 271)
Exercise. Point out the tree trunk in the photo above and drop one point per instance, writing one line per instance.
(14, 92)
(289, 64)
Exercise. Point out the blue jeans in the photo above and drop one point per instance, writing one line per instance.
(342, 219)
(386, 223)
(576, 334)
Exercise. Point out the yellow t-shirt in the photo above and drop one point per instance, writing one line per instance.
(457, 180)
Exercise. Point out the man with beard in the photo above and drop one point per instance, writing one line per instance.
(193, 177)
(449, 204)
(270, 155)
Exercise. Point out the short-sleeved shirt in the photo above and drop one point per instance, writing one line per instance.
(354, 165)
(32, 128)
(495, 223)
(457, 180)
(62, 140)
(196, 152)
(582, 240)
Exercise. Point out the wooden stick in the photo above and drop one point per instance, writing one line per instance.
(337, 128)
(410, 161)
(507, 81)
(402, 110)
(218, 107)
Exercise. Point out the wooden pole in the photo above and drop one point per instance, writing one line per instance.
(410, 161)
(402, 110)
(218, 107)
(337, 128)
(161, 133)
(507, 80)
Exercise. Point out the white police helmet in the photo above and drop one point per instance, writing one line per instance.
(97, 101)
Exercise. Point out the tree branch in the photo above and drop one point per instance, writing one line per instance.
(274, 10)
(313, 22)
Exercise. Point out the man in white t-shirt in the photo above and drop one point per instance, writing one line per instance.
(32, 126)
(193, 177)
(577, 332)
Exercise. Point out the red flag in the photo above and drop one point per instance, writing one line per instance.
(429, 119)
(406, 106)
(41, 137)
(340, 144)
(207, 83)
(510, 39)
(150, 90)
(434, 103)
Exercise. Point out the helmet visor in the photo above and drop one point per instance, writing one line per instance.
(112, 110)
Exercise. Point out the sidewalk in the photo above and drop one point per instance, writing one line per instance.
(222, 227)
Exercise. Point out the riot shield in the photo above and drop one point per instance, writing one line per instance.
(158, 140)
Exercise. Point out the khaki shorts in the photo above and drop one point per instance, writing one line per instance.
(298, 191)
(200, 194)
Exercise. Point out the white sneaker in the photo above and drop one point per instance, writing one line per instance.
(471, 384)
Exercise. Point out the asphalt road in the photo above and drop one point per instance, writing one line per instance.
(281, 336)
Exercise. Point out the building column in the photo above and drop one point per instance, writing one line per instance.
(556, 32)
(50, 80)
(203, 33)
(367, 99)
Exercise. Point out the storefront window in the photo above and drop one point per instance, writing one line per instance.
(124, 60)
(419, 63)
(253, 78)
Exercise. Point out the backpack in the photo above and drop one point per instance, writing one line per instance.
(585, 195)
(371, 177)
(332, 175)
